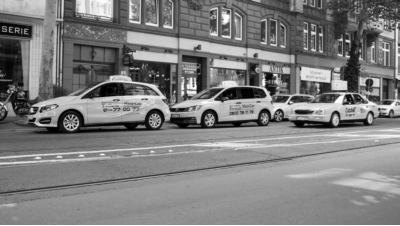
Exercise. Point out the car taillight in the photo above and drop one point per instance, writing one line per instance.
(165, 101)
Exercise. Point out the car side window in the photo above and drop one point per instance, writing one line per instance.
(138, 90)
(358, 99)
(307, 98)
(230, 93)
(262, 93)
(296, 99)
(107, 90)
(247, 93)
(256, 93)
(348, 99)
(149, 91)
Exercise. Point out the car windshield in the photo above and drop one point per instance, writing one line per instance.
(326, 98)
(386, 102)
(280, 99)
(207, 94)
(83, 89)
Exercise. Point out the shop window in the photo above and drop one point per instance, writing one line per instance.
(238, 26)
(218, 75)
(276, 83)
(14, 64)
(273, 33)
(386, 53)
(313, 40)
(225, 17)
(95, 9)
(282, 36)
(373, 52)
(320, 39)
(151, 12)
(305, 36)
(263, 31)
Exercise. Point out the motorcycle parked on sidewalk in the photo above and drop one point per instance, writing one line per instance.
(20, 105)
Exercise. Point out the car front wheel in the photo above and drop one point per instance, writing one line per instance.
(391, 114)
(70, 122)
(263, 118)
(278, 116)
(208, 120)
(369, 120)
(335, 120)
(154, 120)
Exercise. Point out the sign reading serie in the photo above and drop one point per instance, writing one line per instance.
(15, 30)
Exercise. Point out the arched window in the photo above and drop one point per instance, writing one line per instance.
(151, 9)
(224, 16)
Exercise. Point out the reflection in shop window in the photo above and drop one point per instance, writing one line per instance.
(214, 22)
(276, 83)
(102, 8)
(218, 75)
(151, 10)
(134, 12)
(14, 64)
(168, 12)
(226, 23)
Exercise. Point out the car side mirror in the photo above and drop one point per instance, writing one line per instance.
(224, 99)
(291, 102)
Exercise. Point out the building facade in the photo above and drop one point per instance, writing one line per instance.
(21, 37)
(185, 46)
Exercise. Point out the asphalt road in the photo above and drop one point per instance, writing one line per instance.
(36, 164)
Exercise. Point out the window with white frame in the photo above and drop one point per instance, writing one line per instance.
(347, 45)
(305, 36)
(313, 44)
(226, 22)
(319, 4)
(214, 22)
(373, 52)
(273, 33)
(151, 14)
(264, 31)
(282, 36)
(312, 3)
(340, 46)
(102, 9)
(386, 53)
(238, 27)
(320, 39)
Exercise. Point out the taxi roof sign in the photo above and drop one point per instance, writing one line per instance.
(120, 78)
(228, 83)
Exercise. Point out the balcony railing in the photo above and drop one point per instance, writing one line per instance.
(95, 17)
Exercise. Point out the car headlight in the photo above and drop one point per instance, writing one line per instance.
(193, 108)
(320, 112)
(48, 107)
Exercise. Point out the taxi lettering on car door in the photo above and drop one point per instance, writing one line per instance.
(349, 108)
(137, 101)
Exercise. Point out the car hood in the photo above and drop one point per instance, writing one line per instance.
(316, 106)
(278, 105)
(189, 103)
(57, 100)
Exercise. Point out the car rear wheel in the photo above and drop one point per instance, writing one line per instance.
(237, 124)
(299, 124)
(263, 118)
(335, 120)
(208, 120)
(182, 125)
(154, 120)
(70, 122)
(391, 114)
(369, 120)
(278, 117)
(131, 126)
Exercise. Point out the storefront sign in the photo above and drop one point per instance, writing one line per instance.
(190, 68)
(15, 30)
(315, 75)
(275, 69)
(338, 85)
(376, 82)
(127, 60)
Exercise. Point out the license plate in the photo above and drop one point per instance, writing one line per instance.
(302, 118)
(175, 116)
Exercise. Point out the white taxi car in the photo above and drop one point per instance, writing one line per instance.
(283, 104)
(118, 101)
(334, 108)
(389, 108)
(236, 105)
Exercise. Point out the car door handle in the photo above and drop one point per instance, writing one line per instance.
(116, 100)
(258, 102)
(238, 102)
(144, 99)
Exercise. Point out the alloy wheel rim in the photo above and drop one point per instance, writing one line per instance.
(391, 114)
(155, 120)
(209, 119)
(264, 118)
(71, 122)
(335, 120)
(370, 118)
(278, 116)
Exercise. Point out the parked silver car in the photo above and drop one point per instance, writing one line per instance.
(283, 104)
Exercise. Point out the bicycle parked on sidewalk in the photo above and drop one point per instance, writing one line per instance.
(20, 105)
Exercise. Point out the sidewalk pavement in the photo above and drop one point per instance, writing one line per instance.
(14, 124)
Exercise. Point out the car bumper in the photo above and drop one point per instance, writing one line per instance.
(310, 118)
(383, 113)
(185, 117)
(46, 119)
